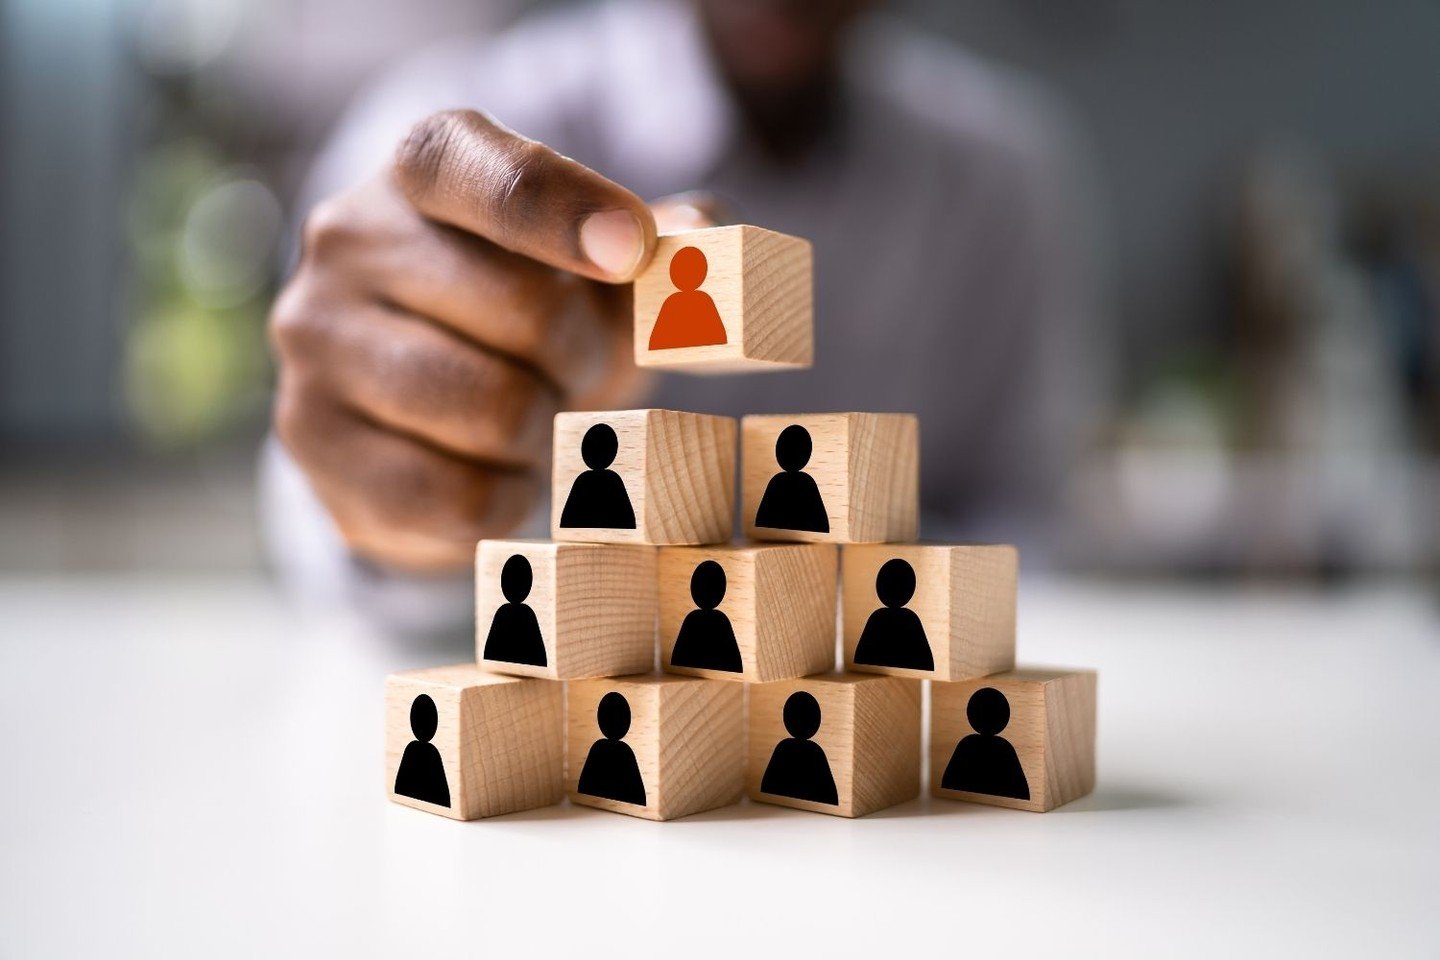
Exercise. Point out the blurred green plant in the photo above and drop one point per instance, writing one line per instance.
(203, 235)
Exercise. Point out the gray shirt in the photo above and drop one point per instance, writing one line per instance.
(953, 272)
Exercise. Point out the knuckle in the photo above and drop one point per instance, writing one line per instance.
(295, 323)
(329, 225)
(519, 181)
(427, 148)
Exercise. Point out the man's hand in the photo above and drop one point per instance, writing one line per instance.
(437, 320)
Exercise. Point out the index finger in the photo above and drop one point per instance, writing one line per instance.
(463, 169)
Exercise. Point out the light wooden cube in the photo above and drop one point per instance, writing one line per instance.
(643, 476)
(467, 744)
(656, 747)
(844, 743)
(755, 613)
(929, 610)
(564, 610)
(837, 477)
(726, 300)
(1023, 739)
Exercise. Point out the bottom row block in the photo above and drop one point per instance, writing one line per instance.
(465, 744)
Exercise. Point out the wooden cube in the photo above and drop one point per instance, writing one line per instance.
(656, 747)
(467, 744)
(837, 477)
(564, 610)
(1023, 739)
(725, 300)
(844, 743)
(931, 610)
(643, 476)
(755, 613)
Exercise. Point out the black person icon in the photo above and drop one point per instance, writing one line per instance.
(611, 771)
(597, 497)
(515, 632)
(985, 762)
(798, 767)
(792, 498)
(893, 635)
(706, 640)
(422, 773)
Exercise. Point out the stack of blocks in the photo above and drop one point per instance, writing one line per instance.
(643, 507)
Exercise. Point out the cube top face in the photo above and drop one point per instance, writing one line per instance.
(564, 610)
(1023, 739)
(843, 744)
(643, 476)
(831, 477)
(656, 747)
(944, 612)
(730, 299)
(754, 612)
(466, 744)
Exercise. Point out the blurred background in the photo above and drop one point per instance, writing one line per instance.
(1268, 174)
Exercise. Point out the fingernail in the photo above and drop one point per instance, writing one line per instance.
(613, 241)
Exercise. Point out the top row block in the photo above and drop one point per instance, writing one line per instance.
(666, 477)
(726, 300)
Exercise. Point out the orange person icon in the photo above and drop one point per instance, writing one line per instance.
(688, 318)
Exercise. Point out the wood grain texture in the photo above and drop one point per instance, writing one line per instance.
(1051, 727)
(678, 469)
(501, 739)
(867, 466)
(688, 735)
(869, 730)
(595, 604)
(779, 599)
(762, 285)
(965, 597)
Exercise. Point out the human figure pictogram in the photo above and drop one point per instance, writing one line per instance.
(688, 317)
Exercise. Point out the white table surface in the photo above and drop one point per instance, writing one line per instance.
(190, 767)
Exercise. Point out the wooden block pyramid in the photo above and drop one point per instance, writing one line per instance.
(642, 560)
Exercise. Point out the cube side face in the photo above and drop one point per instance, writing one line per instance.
(884, 477)
(887, 743)
(705, 641)
(604, 610)
(689, 478)
(820, 488)
(1005, 765)
(759, 284)
(512, 745)
(795, 610)
(800, 771)
(1070, 708)
(593, 505)
(702, 746)
(423, 785)
(984, 582)
(898, 640)
(623, 771)
(504, 629)
(778, 298)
